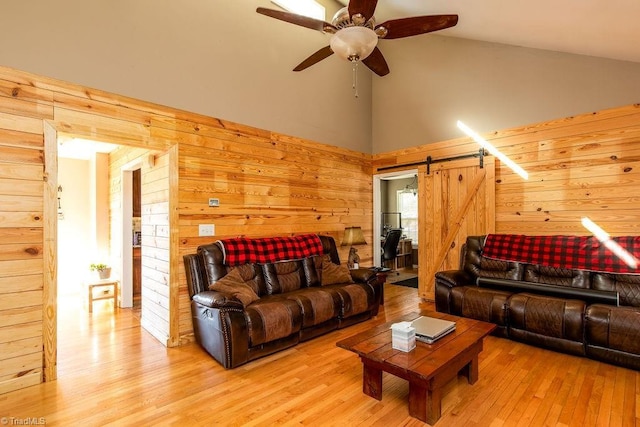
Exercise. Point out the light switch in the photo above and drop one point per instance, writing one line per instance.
(206, 229)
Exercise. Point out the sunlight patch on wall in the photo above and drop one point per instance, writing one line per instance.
(493, 150)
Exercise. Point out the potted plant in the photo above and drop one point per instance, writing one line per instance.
(104, 271)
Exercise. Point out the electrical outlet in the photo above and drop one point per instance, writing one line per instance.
(206, 229)
(214, 203)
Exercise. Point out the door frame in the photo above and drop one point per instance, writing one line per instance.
(126, 223)
(377, 210)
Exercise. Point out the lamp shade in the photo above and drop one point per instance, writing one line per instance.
(353, 236)
(354, 43)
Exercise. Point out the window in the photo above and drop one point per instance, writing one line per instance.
(408, 207)
(309, 8)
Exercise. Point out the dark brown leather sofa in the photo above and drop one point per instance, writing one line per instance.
(293, 305)
(573, 311)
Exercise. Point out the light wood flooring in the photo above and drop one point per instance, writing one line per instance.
(402, 274)
(113, 373)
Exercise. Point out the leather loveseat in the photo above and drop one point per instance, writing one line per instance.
(576, 311)
(291, 302)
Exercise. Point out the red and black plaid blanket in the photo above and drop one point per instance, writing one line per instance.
(242, 250)
(572, 252)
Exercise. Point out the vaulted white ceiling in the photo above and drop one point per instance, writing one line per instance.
(602, 28)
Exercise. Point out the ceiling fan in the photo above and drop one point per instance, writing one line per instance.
(354, 33)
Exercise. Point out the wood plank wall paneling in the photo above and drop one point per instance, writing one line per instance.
(587, 165)
(155, 262)
(267, 185)
(22, 110)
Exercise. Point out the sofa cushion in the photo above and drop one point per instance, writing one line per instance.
(626, 285)
(550, 322)
(318, 305)
(331, 274)
(285, 276)
(557, 276)
(488, 305)
(613, 327)
(234, 284)
(252, 276)
(271, 318)
(355, 298)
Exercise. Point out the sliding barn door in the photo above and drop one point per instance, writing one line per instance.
(459, 201)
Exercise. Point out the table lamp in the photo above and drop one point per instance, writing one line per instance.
(353, 236)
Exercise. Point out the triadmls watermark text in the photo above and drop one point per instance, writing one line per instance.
(23, 421)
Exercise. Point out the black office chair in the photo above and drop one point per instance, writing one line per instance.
(390, 246)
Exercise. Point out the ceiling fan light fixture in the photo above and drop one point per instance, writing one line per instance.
(354, 43)
(354, 33)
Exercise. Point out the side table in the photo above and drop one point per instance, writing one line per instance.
(105, 289)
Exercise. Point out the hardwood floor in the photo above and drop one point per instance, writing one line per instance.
(112, 372)
(402, 274)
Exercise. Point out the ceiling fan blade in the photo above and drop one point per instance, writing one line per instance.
(406, 27)
(303, 21)
(376, 63)
(323, 53)
(364, 7)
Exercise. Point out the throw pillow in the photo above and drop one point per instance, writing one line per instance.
(334, 273)
(233, 284)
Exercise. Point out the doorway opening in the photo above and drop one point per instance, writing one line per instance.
(88, 224)
(83, 215)
(130, 216)
(395, 206)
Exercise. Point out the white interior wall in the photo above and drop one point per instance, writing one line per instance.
(74, 230)
(222, 59)
(437, 80)
(83, 234)
(391, 194)
(218, 58)
(99, 200)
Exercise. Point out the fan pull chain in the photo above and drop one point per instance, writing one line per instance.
(355, 78)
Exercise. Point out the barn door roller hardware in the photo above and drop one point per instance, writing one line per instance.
(480, 154)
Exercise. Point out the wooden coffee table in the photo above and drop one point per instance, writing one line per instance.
(428, 367)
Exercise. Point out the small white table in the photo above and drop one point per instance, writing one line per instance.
(107, 289)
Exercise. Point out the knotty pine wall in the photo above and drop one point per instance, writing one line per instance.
(155, 262)
(587, 165)
(267, 184)
(22, 113)
(159, 310)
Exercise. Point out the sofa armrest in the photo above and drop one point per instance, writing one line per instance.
(222, 331)
(445, 282)
(375, 281)
(453, 278)
(215, 299)
(362, 275)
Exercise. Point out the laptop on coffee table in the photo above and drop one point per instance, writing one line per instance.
(430, 329)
